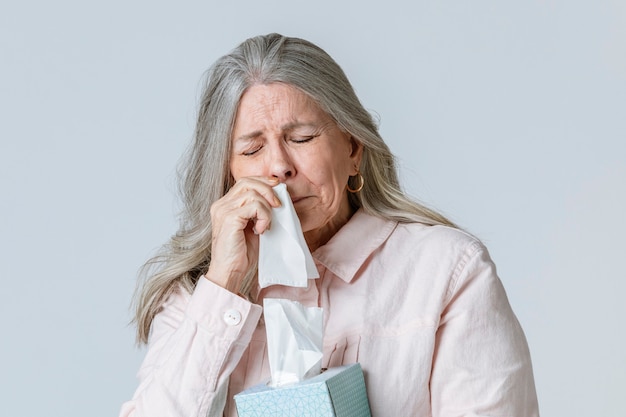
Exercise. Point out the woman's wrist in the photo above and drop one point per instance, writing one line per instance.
(228, 281)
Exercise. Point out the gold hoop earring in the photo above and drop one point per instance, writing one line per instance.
(361, 183)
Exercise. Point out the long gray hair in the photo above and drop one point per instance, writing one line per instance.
(205, 175)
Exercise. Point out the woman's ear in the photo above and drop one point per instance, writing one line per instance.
(356, 152)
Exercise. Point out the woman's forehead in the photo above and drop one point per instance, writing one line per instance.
(276, 107)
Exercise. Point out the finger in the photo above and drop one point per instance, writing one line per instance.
(261, 216)
(262, 185)
(262, 223)
(248, 208)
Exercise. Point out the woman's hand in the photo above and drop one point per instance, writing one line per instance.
(238, 218)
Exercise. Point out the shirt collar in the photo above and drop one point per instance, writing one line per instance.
(349, 248)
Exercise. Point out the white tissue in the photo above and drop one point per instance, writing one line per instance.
(294, 340)
(284, 257)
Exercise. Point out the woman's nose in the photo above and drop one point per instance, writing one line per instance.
(281, 165)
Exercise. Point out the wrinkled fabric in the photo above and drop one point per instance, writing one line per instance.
(421, 308)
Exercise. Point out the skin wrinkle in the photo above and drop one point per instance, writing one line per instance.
(270, 122)
(287, 128)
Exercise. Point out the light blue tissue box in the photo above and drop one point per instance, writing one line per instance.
(337, 392)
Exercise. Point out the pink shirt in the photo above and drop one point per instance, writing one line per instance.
(419, 307)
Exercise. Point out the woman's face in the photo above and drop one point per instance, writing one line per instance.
(279, 131)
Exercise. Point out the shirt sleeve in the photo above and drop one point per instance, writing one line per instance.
(195, 344)
(481, 365)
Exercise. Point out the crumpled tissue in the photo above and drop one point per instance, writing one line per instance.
(294, 340)
(284, 257)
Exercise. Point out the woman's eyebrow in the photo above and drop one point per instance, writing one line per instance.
(249, 136)
(295, 125)
(288, 127)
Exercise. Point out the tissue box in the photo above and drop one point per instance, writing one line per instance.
(337, 392)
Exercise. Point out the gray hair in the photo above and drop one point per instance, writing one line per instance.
(205, 174)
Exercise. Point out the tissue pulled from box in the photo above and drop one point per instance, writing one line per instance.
(294, 340)
(284, 257)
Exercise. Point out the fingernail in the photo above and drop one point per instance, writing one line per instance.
(277, 201)
(273, 179)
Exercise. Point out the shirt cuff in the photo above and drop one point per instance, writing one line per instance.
(219, 310)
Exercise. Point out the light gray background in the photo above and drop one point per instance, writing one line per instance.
(510, 118)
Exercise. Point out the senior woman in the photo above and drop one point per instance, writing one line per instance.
(405, 293)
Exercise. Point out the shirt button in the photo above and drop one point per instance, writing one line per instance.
(232, 317)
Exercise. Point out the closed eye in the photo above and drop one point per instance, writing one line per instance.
(252, 151)
(303, 139)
